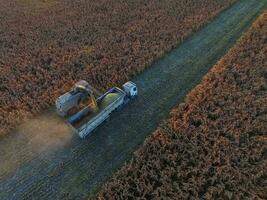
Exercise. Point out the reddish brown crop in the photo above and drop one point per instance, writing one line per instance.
(214, 145)
(45, 46)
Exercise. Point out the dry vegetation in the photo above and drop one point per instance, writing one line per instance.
(214, 145)
(47, 45)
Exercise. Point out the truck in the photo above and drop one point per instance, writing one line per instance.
(84, 108)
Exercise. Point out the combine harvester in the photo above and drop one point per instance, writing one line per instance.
(84, 112)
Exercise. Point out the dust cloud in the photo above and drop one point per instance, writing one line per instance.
(46, 132)
(42, 135)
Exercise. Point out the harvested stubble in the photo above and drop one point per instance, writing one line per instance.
(214, 144)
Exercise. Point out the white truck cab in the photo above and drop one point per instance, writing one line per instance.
(130, 88)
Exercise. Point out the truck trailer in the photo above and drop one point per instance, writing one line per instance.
(84, 112)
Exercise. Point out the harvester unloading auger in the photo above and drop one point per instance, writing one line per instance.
(84, 112)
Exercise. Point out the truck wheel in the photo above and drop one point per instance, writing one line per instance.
(108, 119)
(95, 129)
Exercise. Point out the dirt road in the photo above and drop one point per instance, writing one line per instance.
(45, 160)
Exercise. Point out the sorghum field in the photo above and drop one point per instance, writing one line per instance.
(47, 45)
(214, 144)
